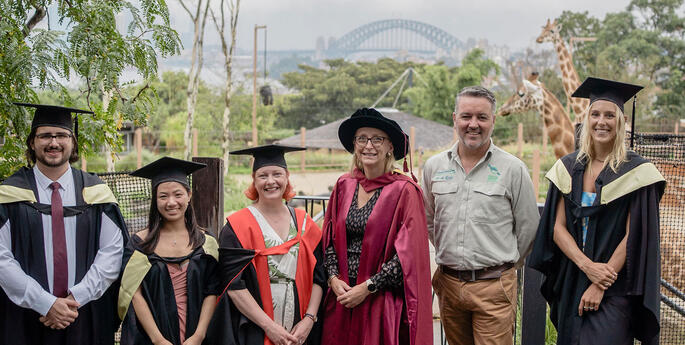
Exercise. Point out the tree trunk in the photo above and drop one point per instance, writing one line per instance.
(200, 19)
(109, 155)
(228, 59)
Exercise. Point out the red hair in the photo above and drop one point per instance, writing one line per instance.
(252, 194)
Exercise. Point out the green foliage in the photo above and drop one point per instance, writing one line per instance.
(644, 44)
(92, 51)
(435, 99)
(327, 94)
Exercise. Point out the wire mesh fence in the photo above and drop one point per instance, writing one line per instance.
(667, 152)
(133, 195)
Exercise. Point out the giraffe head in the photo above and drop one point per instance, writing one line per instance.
(550, 32)
(527, 96)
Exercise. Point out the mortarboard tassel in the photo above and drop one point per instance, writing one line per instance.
(632, 124)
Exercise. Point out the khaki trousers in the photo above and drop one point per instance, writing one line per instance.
(477, 313)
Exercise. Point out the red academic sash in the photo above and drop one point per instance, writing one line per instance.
(250, 236)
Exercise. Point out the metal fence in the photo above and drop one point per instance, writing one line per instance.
(667, 152)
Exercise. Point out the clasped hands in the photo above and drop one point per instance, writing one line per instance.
(602, 277)
(62, 313)
(349, 297)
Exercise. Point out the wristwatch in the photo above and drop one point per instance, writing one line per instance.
(311, 316)
(371, 286)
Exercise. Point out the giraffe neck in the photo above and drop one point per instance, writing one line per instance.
(571, 81)
(559, 127)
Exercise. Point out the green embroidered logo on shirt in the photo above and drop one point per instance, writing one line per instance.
(494, 173)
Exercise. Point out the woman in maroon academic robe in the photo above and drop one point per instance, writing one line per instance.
(376, 243)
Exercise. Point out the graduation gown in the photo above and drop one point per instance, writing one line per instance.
(397, 224)
(635, 189)
(150, 273)
(243, 265)
(97, 321)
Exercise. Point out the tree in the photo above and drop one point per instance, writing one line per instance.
(435, 100)
(199, 20)
(233, 10)
(91, 51)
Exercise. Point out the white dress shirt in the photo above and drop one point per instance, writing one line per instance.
(25, 291)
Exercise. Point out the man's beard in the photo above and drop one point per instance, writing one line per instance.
(52, 163)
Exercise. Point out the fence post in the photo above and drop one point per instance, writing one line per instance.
(194, 142)
(138, 139)
(536, 173)
(84, 163)
(677, 126)
(303, 140)
(208, 194)
(519, 141)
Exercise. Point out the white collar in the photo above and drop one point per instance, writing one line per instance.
(66, 181)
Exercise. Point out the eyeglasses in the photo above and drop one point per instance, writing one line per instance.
(375, 141)
(60, 137)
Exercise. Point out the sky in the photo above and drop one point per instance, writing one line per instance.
(296, 24)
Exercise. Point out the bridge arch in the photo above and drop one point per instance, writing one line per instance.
(354, 39)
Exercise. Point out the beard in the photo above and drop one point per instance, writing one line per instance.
(41, 156)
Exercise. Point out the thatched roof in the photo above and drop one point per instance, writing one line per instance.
(430, 135)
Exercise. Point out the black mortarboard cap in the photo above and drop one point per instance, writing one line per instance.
(167, 169)
(608, 90)
(268, 155)
(54, 115)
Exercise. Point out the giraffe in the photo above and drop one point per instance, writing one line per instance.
(569, 76)
(533, 95)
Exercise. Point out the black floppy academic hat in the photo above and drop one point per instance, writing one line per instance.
(268, 155)
(54, 115)
(369, 117)
(608, 90)
(167, 169)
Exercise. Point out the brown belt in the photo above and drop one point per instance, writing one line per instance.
(493, 272)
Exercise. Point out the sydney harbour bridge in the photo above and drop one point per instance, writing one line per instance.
(386, 37)
(394, 35)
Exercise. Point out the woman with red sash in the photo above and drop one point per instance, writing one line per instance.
(376, 243)
(270, 259)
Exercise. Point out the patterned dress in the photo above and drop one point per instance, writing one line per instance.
(390, 275)
(282, 269)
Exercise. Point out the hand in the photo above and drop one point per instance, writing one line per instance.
(279, 335)
(162, 341)
(591, 299)
(62, 313)
(599, 273)
(338, 286)
(302, 329)
(354, 296)
(195, 339)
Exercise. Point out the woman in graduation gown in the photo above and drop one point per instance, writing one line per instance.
(376, 242)
(169, 280)
(270, 261)
(598, 239)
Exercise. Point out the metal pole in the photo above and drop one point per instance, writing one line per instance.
(254, 85)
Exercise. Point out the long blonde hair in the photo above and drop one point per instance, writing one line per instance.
(618, 153)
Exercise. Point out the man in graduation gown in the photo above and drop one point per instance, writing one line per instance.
(61, 243)
(635, 188)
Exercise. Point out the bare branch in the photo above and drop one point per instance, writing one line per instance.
(140, 92)
(35, 19)
(216, 25)
(187, 10)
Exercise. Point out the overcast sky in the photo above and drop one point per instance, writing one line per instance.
(296, 24)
